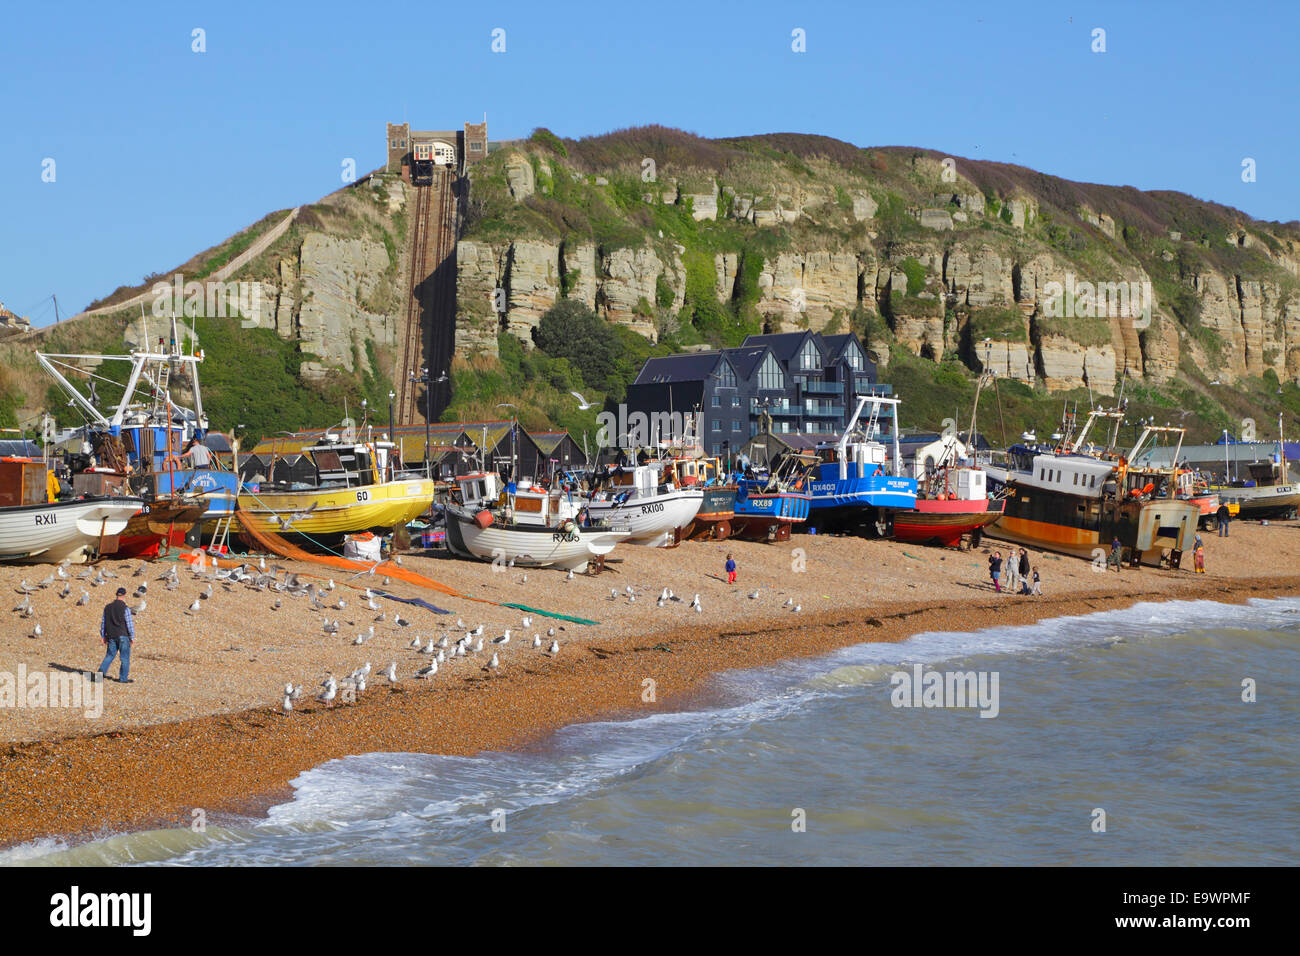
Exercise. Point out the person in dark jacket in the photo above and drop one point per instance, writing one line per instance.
(1024, 572)
(117, 631)
(995, 570)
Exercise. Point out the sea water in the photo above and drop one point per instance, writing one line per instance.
(1122, 737)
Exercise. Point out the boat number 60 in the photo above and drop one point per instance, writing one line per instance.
(363, 496)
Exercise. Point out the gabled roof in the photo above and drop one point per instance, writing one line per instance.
(784, 345)
(836, 344)
(687, 367)
(746, 359)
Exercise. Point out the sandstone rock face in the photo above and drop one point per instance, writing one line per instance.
(978, 277)
(726, 266)
(864, 207)
(284, 305)
(628, 285)
(532, 285)
(580, 257)
(1006, 359)
(479, 272)
(799, 288)
(520, 178)
(1161, 350)
(1068, 365)
(336, 275)
(935, 219)
(704, 205)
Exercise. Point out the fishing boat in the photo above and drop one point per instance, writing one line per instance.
(1076, 498)
(135, 447)
(525, 525)
(950, 504)
(856, 484)
(354, 490)
(648, 497)
(35, 529)
(769, 505)
(1267, 493)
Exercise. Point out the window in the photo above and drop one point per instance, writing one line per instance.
(717, 449)
(809, 356)
(735, 401)
(735, 426)
(717, 401)
(476, 147)
(853, 355)
(726, 375)
(715, 426)
(770, 376)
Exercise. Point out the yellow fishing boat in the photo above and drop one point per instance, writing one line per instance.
(356, 489)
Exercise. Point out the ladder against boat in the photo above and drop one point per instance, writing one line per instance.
(220, 543)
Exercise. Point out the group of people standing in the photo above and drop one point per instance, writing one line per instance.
(1012, 574)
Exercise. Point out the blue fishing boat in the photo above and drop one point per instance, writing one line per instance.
(856, 485)
(769, 505)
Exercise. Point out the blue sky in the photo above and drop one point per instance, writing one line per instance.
(161, 151)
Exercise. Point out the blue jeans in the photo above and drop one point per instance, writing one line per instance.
(118, 645)
(1223, 529)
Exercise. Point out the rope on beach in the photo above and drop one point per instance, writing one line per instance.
(557, 616)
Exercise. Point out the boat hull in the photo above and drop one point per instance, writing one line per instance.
(1269, 501)
(51, 533)
(337, 511)
(717, 511)
(942, 522)
(1149, 528)
(539, 547)
(650, 521)
(156, 524)
(769, 517)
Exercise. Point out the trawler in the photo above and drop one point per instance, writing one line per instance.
(649, 496)
(354, 489)
(136, 447)
(1077, 498)
(35, 528)
(856, 483)
(525, 524)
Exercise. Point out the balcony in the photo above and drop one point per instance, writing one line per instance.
(812, 410)
(823, 388)
(775, 410)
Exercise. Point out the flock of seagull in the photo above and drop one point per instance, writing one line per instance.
(441, 653)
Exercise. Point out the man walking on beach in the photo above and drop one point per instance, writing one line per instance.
(1117, 554)
(1012, 576)
(117, 631)
(1024, 572)
(1224, 516)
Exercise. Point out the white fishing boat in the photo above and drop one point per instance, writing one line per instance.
(36, 530)
(649, 497)
(527, 525)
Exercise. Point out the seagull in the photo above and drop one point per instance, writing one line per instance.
(25, 587)
(401, 621)
(494, 664)
(276, 606)
(570, 575)
(140, 609)
(340, 604)
(696, 602)
(550, 632)
(528, 622)
(753, 595)
(798, 608)
(555, 648)
(360, 639)
(36, 631)
(460, 624)
(84, 599)
(207, 592)
(288, 704)
(460, 650)
(788, 602)
(415, 644)
(330, 627)
(428, 671)
(503, 639)
(67, 589)
(442, 657)
(445, 641)
(583, 404)
(196, 605)
(537, 640)
(478, 648)
(138, 571)
(477, 631)
(24, 604)
(331, 690)
(391, 673)
(47, 582)
(62, 572)
(429, 648)
(613, 594)
(293, 693)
